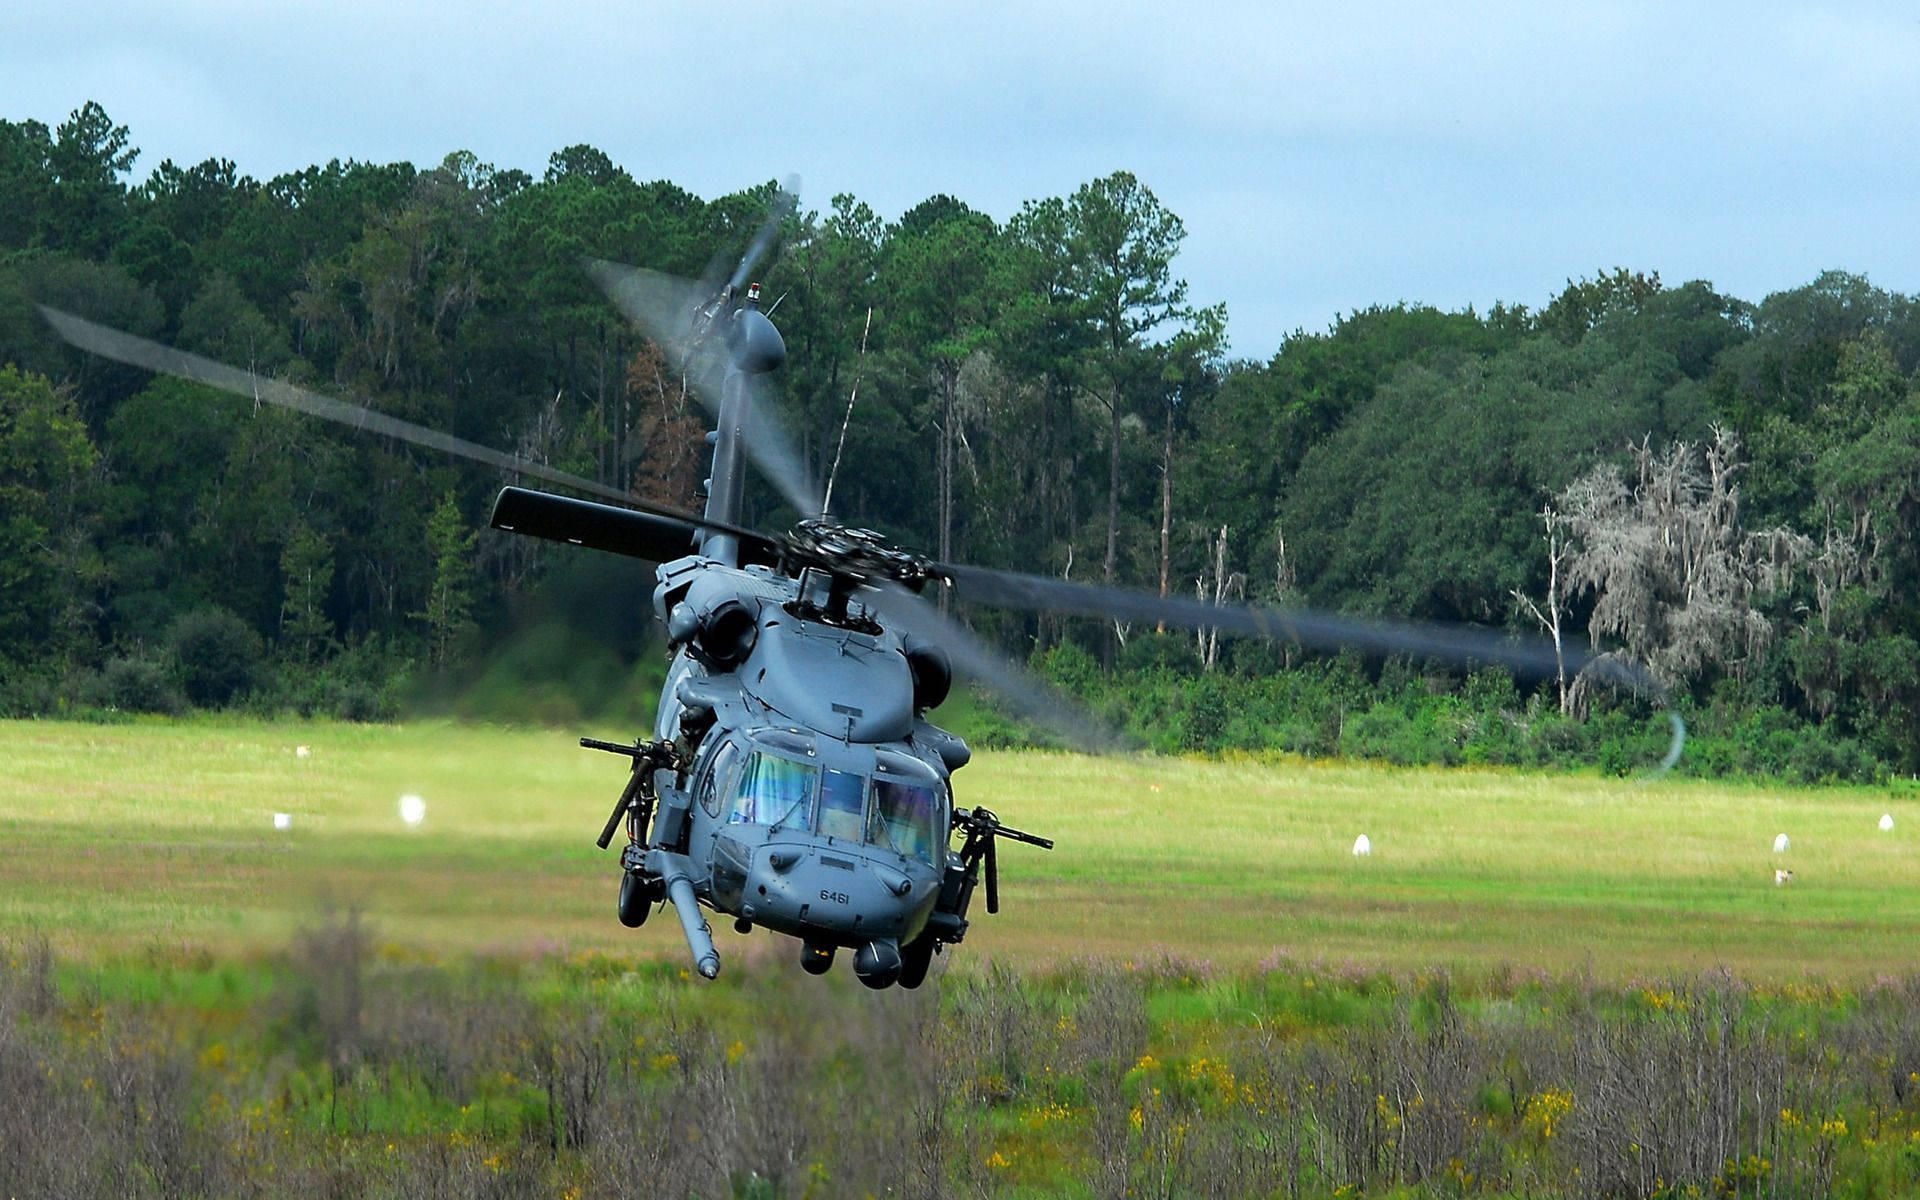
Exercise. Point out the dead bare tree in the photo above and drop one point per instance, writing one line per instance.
(1284, 586)
(1217, 587)
(1283, 577)
(1559, 550)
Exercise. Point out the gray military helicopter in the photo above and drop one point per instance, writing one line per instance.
(793, 780)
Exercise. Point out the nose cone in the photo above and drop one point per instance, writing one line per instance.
(878, 963)
(757, 345)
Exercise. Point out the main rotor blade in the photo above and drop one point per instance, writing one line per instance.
(1032, 697)
(769, 446)
(152, 356)
(782, 206)
(664, 308)
(1530, 656)
(636, 533)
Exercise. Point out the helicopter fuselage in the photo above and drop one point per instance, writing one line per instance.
(808, 794)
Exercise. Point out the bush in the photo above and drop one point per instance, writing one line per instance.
(1814, 756)
(133, 684)
(24, 692)
(351, 700)
(1069, 666)
(1616, 757)
(1172, 651)
(218, 655)
(1209, 708)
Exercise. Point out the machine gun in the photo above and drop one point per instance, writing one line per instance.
(981, 831)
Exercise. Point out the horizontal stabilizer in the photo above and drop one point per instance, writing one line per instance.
(596, 526)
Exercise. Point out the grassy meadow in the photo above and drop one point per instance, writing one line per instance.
(1536, 985)
(162, 834)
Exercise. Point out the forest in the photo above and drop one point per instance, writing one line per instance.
(1726, 490)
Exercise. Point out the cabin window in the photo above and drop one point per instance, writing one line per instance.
(719, 780)
(843, 804)
(775, 791)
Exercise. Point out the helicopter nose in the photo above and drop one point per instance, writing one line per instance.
(833, 892)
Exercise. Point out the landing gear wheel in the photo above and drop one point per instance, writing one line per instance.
(915, 957)
(636, 900)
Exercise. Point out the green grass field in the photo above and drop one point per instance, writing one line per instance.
(117, 836)
(492, 1033)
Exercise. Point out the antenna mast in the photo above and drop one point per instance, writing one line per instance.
(826, 504)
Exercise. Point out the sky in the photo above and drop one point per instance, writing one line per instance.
(1324, 157)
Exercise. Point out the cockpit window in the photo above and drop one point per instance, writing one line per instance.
(719, 780)
(903, 811)
(775, 791)
(906, 809)
(843, 804)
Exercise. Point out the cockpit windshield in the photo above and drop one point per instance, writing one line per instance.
(899, 808)
(843, 803)
(905, 813)
(902, 818)
(775, 791)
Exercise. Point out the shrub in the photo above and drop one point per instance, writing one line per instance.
(1070, 667)
(133, 684)
(1174, 651)
(1491, 691)
(1406, 734)
(351, 700)
(1208, 709)
(218, 655)
(24, 692)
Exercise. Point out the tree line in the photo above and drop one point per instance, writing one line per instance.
(1723, 489)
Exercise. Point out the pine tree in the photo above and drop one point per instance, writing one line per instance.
(306, 566)
(449, 608)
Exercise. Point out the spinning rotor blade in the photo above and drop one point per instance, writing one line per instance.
(1031, 696)
(782, 206)
(1317, 630)
(769, 446)
(669, 311)
(152, 356)
(665, 307)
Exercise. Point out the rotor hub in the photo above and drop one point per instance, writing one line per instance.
(846, 551)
